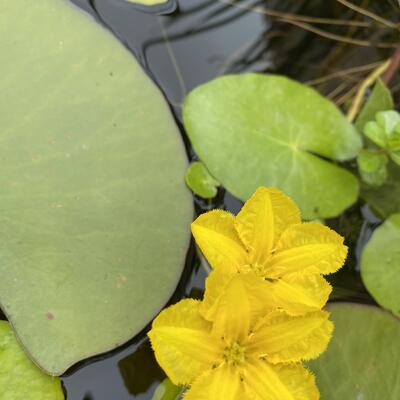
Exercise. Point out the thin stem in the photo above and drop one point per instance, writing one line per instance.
(393, 67)
(369, 14)
(302, 18)
(339, 38)
(328, 35)
(343, 72)
(368, 81)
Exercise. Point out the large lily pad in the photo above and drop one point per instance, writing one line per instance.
(253, 130)
(20, 379)
(380, 264)
(94, 212)
(363, 359)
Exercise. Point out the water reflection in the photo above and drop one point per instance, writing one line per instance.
(198, 42)
(140, 370)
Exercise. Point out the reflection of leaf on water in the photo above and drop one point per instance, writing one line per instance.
(140, 370)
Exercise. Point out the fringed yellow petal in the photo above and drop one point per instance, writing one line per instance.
(265, 381)
(216, 284)
(263, 218)
(281, 338)
(232, 320)
(309, 248)
(259, 293)
(182, 342)
(222, 383)
(298, 294)
(255, 225)
(217, 238)
(261, 298)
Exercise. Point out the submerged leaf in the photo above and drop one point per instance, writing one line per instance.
(94, 210)
(256, 130)
(200, 181)
(20, 379)
(363, 359)
(380, 264)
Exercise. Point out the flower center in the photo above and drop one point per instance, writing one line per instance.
(234, 354)
(258, 269)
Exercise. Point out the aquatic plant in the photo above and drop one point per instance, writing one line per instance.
(279, 259)
(261, 308)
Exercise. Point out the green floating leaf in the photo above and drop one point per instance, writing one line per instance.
(380, 264)
(20, 379)
(95, 213)
(252, 130)
(166, 390)
(363, 358)
(385, 131)
(200, 181)
(384, 200)
(379, 100)
(372, 167)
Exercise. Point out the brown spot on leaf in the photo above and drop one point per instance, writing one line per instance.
(50, 316)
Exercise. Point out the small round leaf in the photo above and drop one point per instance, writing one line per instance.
(380, 264)
(200, 181)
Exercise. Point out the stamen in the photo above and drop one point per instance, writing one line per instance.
(234, 354)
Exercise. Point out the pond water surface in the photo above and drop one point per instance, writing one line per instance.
(203, 39)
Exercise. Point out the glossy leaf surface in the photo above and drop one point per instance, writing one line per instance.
(94, 210)
(256, 130)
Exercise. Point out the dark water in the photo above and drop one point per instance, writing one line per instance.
(203, 39)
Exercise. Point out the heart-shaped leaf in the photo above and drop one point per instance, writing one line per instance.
(20, 379)
(380, 264)
(363, 358)
(94, 213)
(254, 130)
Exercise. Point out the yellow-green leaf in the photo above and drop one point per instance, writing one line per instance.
(20, 379)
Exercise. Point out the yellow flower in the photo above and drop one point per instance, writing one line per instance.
(242, 355)
(280, 259)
